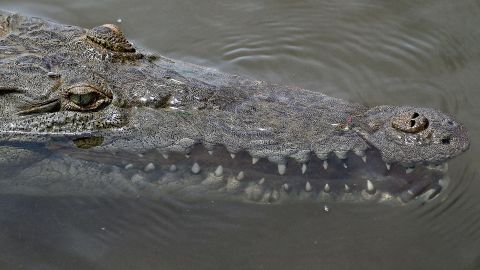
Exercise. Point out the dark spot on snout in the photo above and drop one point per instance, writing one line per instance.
(446, 140)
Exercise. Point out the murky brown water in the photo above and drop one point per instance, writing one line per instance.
(373, 52)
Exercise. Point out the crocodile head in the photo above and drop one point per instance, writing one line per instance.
(95, 96)
(413, 136)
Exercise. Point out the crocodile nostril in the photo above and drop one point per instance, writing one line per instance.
(446, 140)
(410, 122)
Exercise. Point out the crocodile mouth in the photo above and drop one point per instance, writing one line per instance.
(215, 172)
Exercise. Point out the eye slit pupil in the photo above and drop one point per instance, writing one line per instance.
(85, 99)
(82, 99)
(412, 123)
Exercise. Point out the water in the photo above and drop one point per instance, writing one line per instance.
(372, 52)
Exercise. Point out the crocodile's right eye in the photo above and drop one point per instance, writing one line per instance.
(85, 97)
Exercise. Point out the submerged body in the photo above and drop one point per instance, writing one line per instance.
(116, 118)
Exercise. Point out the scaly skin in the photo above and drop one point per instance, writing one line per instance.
(92, 94)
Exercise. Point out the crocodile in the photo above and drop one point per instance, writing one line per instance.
(85, 111)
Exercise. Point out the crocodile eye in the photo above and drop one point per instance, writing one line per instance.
(85, 97)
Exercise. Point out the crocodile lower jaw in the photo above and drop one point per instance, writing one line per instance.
(217, 173)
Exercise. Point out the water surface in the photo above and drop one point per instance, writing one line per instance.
(372, 52)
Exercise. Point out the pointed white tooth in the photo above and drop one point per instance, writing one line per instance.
(210, 152)
(262, 180)
(304, 168)
(275, 196)
(409, 170)
(240, 176)
(345, 165)
(341, 154)
(219, 171)
(195, 168)
(364, 158)
(443, 182)
(140, 155)
(172, 168)
(285, 187)
(165, 156)
(232, 155)
(388, 166)
(360, 153)
(150, 167)
(187, 156)
(347, 188)
(370, 187)
(282, 168)
(308, 187)
(445, 167)
(129, 166)
(325, 164)
(326, 188)
(255, 160)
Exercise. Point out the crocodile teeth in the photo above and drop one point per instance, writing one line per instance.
(326, 188)
(445, 167)
(165, 156)
(341, 154)
(360, 153)
(325, 164)
(364, 158)
(187, 156)
(255, 160)
(210, 152)
(443, 182)
(150, 167)
(347, 188)
(195, 168)
(282, 168)
(285, 187)
(308, 187)
(262, 180)
(409, 170)
(345, 165)
(232, 155)
(429, 195)
(128, 166)
(370, 187)
(304, 168)
(172, 168)
(219, 171)
(240, 176)
(388, 166)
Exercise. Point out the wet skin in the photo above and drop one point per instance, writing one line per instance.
(99, 104)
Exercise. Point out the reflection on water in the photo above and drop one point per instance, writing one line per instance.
(373, 52)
